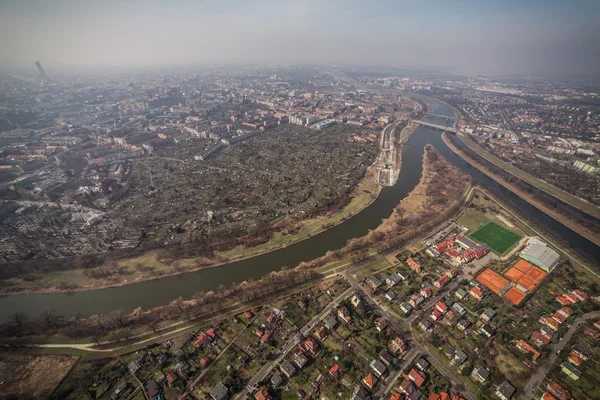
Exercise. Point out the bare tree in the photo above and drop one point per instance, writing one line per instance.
(119, 318)
(51, 319)
(19, 319)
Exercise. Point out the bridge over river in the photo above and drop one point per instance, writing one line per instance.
(435, 126)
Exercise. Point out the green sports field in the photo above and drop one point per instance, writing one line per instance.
(497, 238)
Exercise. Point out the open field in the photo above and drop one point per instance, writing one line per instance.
(32, 376)
(532, 180)
(498, 239)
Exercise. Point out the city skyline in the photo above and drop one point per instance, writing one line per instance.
(464, 37)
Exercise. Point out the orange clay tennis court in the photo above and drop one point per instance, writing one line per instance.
(514, 295)
(525, 274)
(492, 280)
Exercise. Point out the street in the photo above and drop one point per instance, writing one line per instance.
(291, 343)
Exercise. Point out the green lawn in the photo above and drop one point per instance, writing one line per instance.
(473, 219)
(498, 239)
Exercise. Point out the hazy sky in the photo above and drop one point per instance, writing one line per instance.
(466, 37)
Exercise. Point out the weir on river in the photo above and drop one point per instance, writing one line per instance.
(164, 290)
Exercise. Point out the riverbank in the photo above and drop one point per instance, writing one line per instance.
(538, 183)
(439, 177)
(524, 195)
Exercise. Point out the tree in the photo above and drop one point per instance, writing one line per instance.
(19, 319)
(51, 319)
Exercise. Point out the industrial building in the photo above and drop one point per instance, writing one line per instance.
(538, 253)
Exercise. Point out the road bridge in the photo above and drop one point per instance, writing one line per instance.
(435, 126)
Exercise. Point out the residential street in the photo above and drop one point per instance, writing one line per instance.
(542, 371)
(291, 343)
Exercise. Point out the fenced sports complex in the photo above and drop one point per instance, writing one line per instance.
(497, 238)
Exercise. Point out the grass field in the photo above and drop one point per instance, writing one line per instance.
(498, 239)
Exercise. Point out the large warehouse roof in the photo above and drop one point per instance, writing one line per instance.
(537, 250)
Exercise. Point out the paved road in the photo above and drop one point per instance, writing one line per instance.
(539, 375)
(291, 343)
(388, 384)
(191, 386)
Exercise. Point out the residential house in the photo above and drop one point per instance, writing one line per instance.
(272, 317)
(171, 378)
(441, 282)
(378, 368)
(441, 307)
(582, 352)
(398, 345)
(276, 380)
(344, 315)
(570, 370)
(505, 391)
(263, 394)
(538, 339)
(436, 314)
(393, 280)
(415, 300)
(266, 336)
(331, 322)
(152, 389)
(386, 357)
(373, 282)
(459, 308)
(417, 377)
(403, 275)
(220, 392)
(526, 348)
(355, 300)
(288, 369)
(334, 371)
(390, 296)
(426, 292)
(488, 315)
(480, 374)
(359, 393)
(412, 264)
(211, 334)
(425, 325)
(460, 294)
(300, 360)
(407, 387)
(460, 357)
(134, 367)
(558, 391)
(201, 340)
(422, 364)
(476, 293)
(406, 307)
(369, 380)
(575, 359)
(593, 333)
(463, 324)
(321, 333)
(311, 346)
(181, 366)
(487, 330)
(380, 324)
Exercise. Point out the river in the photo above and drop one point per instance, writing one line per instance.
(164, 290)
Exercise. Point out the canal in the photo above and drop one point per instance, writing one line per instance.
(164, 290)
